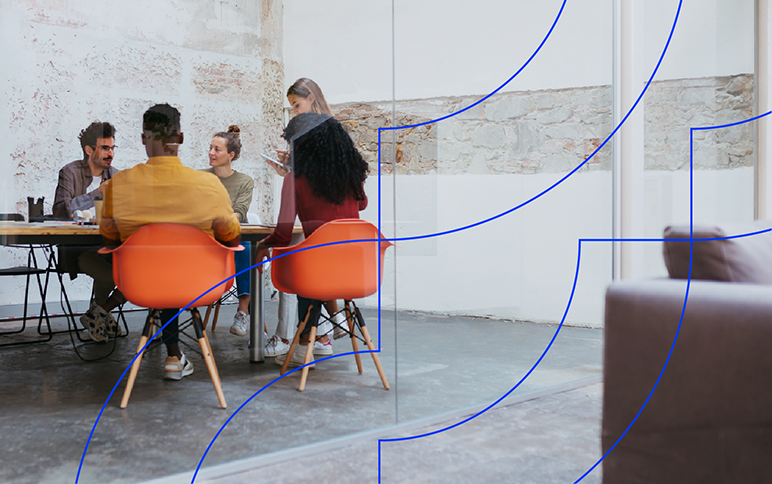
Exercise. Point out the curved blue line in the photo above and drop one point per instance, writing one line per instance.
(662, 372)
(728, 237)
(554, 23)
(689, 279)
(544, 353)
(437, 234)
(648, 83)
(552, 27)
(702, 128)
(198, 467)
(424, 236)
(115, 387)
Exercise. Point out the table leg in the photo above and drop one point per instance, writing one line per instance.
(256, 311)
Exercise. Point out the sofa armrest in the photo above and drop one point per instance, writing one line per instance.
(710, 419)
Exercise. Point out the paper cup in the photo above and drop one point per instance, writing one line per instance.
(98, 210)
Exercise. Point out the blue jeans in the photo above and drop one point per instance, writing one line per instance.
(241, 259)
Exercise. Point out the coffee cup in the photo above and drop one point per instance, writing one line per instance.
(98, 211)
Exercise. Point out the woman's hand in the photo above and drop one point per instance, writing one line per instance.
(263, 252)
(284, 158)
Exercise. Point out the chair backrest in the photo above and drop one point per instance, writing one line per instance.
(169, 265)
(339, 271)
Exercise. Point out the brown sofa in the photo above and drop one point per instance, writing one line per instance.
(710, 418)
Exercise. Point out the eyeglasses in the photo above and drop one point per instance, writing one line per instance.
(107, 148)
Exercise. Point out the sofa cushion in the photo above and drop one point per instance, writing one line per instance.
(744, 259)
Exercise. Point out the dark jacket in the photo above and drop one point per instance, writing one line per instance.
(74, 179)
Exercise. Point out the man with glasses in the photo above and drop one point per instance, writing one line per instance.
(80, 183)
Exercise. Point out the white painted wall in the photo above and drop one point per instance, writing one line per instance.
(520, 266)
(712, 38)
(456, 47)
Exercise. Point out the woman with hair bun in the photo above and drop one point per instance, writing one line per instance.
(224, 149)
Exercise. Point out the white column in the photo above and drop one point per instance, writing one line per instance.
(629, 79)
(763, 96)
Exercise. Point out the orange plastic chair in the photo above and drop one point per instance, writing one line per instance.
(168, 266)
(341, 271)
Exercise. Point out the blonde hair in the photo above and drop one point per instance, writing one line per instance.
(305, 86)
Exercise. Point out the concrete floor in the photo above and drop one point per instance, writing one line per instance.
(51, 399)
(552, 439)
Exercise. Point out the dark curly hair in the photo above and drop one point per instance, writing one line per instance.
(162, 120)
(88, 136)
(322, 151)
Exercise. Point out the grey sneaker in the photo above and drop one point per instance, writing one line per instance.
(240, 323)
(275, 347)
(94, 321)
(112, 326)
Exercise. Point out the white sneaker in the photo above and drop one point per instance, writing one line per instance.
(275, 347)
(298, 358)
(323, 349)
(240, 323)
(175, 368)
(339, 332)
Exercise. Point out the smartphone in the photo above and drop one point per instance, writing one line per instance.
(275, 162)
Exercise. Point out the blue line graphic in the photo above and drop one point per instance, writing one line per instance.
(85, 450)
(635, 104)
(467, 227)
(689, 280)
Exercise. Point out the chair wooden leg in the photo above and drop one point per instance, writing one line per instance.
(208, 312)
(377, 362)
(354, 343)
(146, 331)
(206, 351)
(216, 315)
(133, 372)
(294, 344)
(210, 349)
(309, 356)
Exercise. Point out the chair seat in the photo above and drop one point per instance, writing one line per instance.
(21, 271)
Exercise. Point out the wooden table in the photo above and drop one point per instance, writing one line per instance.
(67, 233)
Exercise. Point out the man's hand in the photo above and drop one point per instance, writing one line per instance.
(102, 187)
(263, 252)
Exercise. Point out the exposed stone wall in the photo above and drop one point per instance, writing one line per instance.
(554, 131)
(71, 63)
(672, 107)
(220, 63)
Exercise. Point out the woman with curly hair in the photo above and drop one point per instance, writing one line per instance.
(326, 183)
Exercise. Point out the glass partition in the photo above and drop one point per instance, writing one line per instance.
(706, 79)
(485, 127)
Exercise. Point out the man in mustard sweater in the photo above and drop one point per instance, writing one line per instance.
(164, 191)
